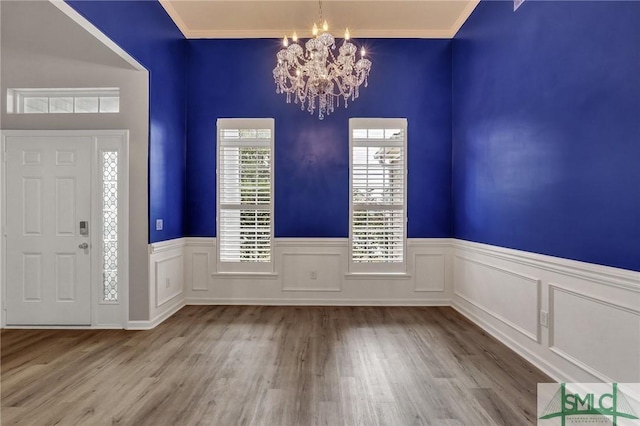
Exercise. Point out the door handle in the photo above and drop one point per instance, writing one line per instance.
(84, 246)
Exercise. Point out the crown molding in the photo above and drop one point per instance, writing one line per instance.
(277, 34)
(355, 34)
(175, 17)
(468, 10)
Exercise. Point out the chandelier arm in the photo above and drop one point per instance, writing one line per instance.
(298, 62)
(282, 82)
(361, 76)
(347, 94)
(338, 82)
(288, 86)
(291, 77)
(286, 89)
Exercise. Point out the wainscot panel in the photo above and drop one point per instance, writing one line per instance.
(601, 337)
(313, 271)
(578, 322)
(166, 282)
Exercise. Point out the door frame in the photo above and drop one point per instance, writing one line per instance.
(103, 314)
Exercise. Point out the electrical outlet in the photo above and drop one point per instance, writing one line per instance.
(167, 282)
(544, 318)
(314, 275)
(159, 224)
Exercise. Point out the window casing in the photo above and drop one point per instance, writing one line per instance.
(377, 194)
(245, 195)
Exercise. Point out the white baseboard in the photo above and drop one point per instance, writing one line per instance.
(168, 312)
(540, 363)
(63, 327)
(318, 302)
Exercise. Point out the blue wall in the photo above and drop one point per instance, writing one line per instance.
(145, 31)
(545, 135)
(546, 129)
(409, 78)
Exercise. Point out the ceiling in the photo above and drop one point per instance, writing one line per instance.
(365, 19)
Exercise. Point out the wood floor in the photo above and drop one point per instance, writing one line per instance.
(250, 365)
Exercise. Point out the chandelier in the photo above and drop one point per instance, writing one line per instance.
(317, 77)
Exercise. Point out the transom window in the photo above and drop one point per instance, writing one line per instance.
(63, 101)
(245, 195)
(378, 173)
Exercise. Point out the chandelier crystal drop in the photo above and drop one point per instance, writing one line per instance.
(315, 76)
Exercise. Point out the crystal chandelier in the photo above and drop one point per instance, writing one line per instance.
(317, 75)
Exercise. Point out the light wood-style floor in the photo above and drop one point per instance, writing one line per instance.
(256, 365)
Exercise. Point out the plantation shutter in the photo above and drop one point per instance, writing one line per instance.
(245, 194)
(378, 188)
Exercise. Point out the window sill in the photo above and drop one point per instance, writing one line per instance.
(377, 276)
(256, 275)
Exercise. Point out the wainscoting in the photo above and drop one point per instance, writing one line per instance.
(592, 330)
(166, 282)
(577, 322)
(314, 272)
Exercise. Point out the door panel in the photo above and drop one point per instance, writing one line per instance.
(66, 277)
(65, 196)
(32, 277)
(48, 193)
(32, 206)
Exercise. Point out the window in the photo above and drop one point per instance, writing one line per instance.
(109, 166)
(378, 193)
(63, 101)
(245, 195)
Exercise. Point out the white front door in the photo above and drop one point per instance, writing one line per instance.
(48, 209)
